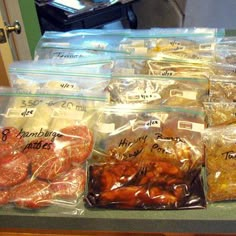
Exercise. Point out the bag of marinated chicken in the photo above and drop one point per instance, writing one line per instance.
(45, 140)
(160, 90)
(220, 151)
(147, 157)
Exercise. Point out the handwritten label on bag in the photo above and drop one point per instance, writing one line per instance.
(20, 112)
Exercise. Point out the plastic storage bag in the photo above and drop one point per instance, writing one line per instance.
(75, 76)
(158, 90)
(189, 43)
(222, 88)
(43, 164)
(79, 43)
(225, 50)
(220, 162)
(160, 66)
(147, 158)
(220, 113)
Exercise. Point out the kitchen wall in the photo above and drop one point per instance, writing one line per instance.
(159, 13)
(210, 13)
(186, 13)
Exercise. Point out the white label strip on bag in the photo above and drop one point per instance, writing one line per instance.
(137, 96)
(127, 71)
(65, 113)
(191, 126)
(105, 127)
(20, 112)
(183, 94)
(206, 46)
(61, 85)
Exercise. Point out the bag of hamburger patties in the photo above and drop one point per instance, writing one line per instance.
(45, 140)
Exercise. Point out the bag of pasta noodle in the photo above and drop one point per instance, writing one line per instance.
(45, 140)
(220, 151)
(160, 90)
(147, 157)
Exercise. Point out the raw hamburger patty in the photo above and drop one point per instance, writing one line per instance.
(70, 185)
(9, 141)
(4, 197)
(47, 160)
(31, 194)
(77, 142)
(13, 169)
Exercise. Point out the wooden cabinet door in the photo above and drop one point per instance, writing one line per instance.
(6, 57)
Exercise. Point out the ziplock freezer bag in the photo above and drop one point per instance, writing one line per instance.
(147, 157)
(78, 76)
(220, 162)
(222, 88)
(220, 113)
(43, 161)
(160, 66)
(225, 50)
(186, 31)
(190, 43)
(174, 67)
(79, 43)
(222, 69)
(158, 90)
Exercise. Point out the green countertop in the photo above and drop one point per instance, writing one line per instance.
(216, 218)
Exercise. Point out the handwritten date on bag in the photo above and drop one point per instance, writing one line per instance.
(28, 113)
(66, 85)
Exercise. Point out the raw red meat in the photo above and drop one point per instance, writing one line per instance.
(77, 142)
(4, 197)
(31, 194)
(9, 141)
(13, 169)
(47, 160)
(70, 185)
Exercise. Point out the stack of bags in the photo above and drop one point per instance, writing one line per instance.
(120, 119)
